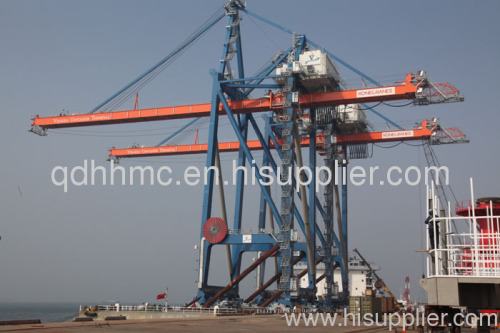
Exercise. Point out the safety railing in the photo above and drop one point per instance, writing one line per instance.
(473, 253)
(161, 308)
(470, 248)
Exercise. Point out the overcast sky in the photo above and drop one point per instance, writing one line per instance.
(128, 243)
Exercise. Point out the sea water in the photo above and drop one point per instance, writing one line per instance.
(46, 312)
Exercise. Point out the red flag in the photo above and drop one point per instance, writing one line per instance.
(161, 296)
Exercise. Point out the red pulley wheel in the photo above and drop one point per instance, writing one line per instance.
(215, 230)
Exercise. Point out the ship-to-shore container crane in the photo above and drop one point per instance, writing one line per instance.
(310, 111)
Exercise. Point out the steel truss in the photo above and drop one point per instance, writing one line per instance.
(283, 123)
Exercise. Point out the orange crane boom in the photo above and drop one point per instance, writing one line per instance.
(420, 133)
(406, 90)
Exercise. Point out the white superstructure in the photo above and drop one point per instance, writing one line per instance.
(316, 70)
(351, 118)
(360, 278)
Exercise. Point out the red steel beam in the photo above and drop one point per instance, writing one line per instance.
(270, 299)
(388, 93)
(241, 276)
(271, 280)
(420, 133)
(321, 277)
(192, 302)
(277, 294)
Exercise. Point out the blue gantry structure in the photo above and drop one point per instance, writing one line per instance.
(286, 214)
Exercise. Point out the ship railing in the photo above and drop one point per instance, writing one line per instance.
(464, 204)
(469, 251)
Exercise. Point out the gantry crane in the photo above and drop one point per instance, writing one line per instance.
(308, 107)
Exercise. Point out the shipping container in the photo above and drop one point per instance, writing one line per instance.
(388, 305)
(365, 304)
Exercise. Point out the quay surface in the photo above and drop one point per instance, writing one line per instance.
(269, 323)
